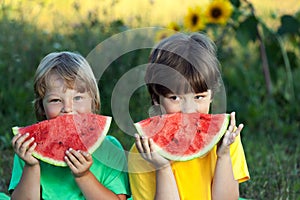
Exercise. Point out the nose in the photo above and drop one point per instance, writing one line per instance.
(188, 106)
(67, 107)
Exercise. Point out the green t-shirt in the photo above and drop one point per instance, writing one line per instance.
(109, 167)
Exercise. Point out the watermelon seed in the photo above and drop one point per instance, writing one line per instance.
(175, 140)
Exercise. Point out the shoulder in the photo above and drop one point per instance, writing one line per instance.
(110, 151)
(111, 139)
(110, 143)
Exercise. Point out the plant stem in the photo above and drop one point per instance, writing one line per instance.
(265, 64)
(263, 55)
(290, 82)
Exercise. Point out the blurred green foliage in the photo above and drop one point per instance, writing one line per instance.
(260, 67)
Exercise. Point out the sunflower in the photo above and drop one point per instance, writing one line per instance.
(174, 26)
(164, 33)
(219, 11)
(194, 20)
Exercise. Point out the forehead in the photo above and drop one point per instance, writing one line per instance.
(55, 80)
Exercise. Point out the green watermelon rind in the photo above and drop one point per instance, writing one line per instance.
(201, 153)
(51, 161)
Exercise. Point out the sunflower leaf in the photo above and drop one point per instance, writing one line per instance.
(289, 24)
(247, 30)
(236, 3)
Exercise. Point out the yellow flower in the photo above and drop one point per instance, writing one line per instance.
(219, 11)
(194, 20)
(174, 26)
(164, 33)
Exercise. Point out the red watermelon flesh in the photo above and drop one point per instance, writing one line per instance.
(53, 137)
(184, 136)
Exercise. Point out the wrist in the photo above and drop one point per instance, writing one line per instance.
(164, 167)
(82, 175)
(223, 151)
(29, 165)
(223, 156)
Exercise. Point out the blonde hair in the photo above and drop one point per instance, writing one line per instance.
(183, 63)
(73, 69)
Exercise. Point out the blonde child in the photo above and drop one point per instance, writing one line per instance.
(65, 84)
(183, 76)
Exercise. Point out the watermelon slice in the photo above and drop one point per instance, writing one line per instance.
(53, 137)
(184, 136)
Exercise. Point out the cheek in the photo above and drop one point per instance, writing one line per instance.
(204, 107)
(170, 108)
(51, 111)
(83, 107)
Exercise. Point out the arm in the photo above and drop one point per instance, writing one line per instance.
(80, 163)
(166, 187)
(29, 185)
(224, 185)
(93, 189)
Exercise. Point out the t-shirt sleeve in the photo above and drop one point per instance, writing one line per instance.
(110, 166)
(238, 159)
(17, 170)
(142, 176)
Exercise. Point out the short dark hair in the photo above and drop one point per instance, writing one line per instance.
(183, 63)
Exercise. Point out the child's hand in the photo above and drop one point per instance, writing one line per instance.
(24, 148)
(145, 147)
(79, 162)
(229, 137)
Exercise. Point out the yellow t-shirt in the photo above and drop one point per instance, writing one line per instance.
(194, 177)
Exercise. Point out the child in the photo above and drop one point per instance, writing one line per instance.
(65, 84)
(183, 76)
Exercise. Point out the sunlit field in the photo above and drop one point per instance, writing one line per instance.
(49, 14)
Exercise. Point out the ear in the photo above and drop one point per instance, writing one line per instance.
(155, 100)
(155, 103)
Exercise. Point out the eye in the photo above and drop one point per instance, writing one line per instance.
(54, 100)
(173, 97)
(199, 97)
(78, 98)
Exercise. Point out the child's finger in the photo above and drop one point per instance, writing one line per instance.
(141, 144)
(14, 139)
(87, 156)
(145, 145)
(81, 156)
(232, 122)
(26, 145)
(69, 163)
(71, 155)
(31, 148)
(18, 142)
(151, 145)
(239, 129)
(232, 135)
(138, 143)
